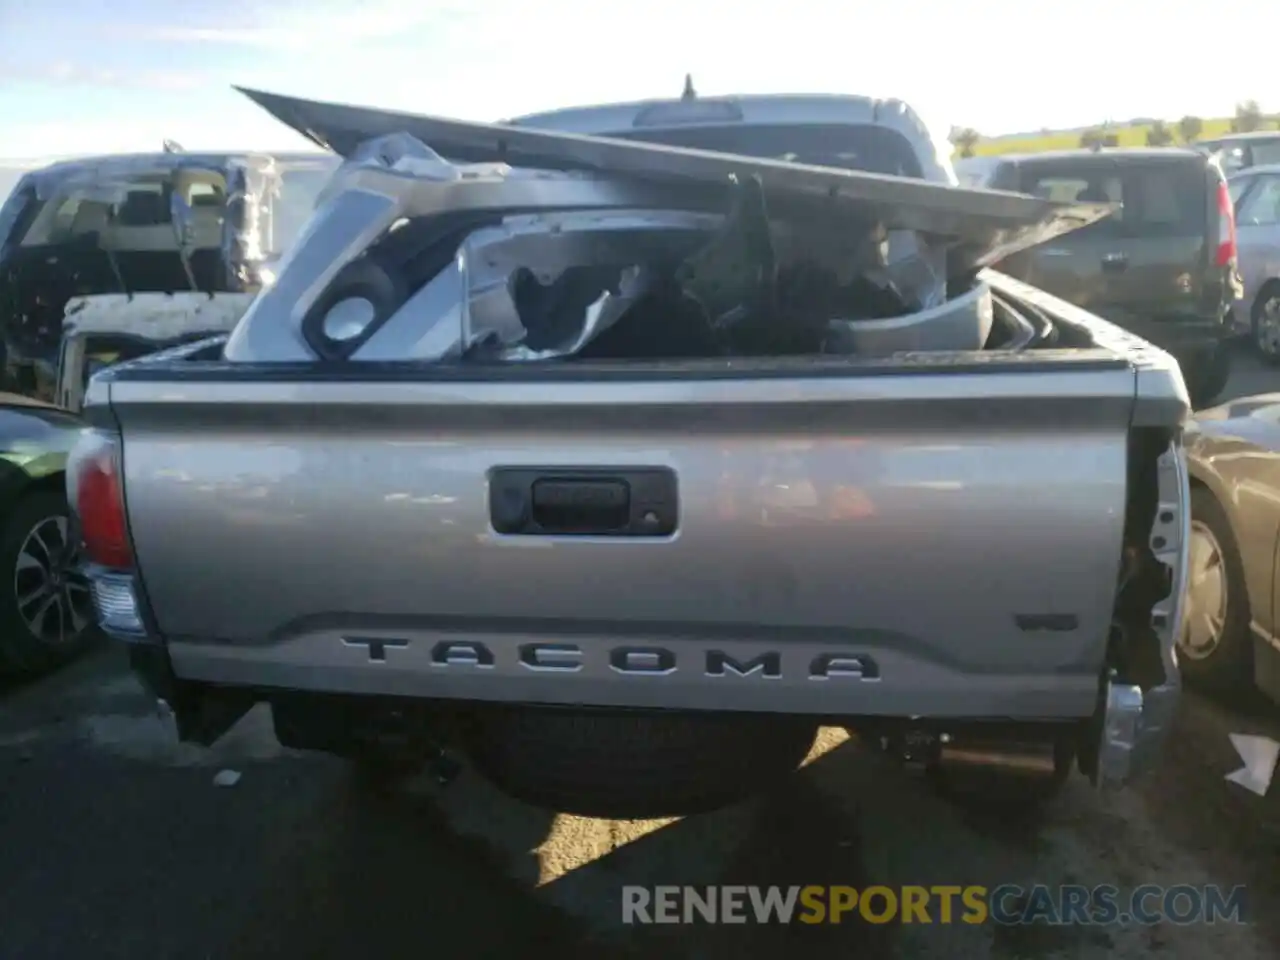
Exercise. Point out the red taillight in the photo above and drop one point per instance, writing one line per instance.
(1226, 228)
(100, 507)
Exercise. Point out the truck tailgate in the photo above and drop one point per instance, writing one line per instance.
(938, 540)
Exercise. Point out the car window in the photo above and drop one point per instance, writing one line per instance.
(1265, 152)
(1158, 200)
(1232, 158)
(54, 222)
(1077, 189)
(1262, 207)
(143, 203)
(202, 194)
(1164, 200)
(1237, 188)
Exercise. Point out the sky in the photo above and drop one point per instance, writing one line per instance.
(103, 76)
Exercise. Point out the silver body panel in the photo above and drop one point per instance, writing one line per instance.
(1258, 241)
(928, 534)
(928, 522)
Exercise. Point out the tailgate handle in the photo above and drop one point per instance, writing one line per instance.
(581, 506)
(620, 503)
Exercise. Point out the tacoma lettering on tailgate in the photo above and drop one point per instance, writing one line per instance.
(638, 661)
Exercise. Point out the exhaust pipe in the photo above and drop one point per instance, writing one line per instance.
(1030, 760)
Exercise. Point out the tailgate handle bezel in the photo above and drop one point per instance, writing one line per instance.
(583, 501)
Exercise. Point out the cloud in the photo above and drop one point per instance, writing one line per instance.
(302, 27)
(72, 74)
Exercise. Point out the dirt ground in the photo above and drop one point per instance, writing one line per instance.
(116, 842)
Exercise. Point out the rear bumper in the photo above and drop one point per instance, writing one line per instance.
(1180, 335)
(1129, 725)
(796, 677)
(1135, 725)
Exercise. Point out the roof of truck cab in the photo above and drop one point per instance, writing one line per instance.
(211, 158)
(764, 108)
(110, 166)
(125, 166)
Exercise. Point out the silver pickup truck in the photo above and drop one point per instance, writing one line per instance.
(628, 445)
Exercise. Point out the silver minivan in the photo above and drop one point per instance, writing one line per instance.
(1255, 192)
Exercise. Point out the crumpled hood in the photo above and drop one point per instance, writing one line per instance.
(978, 227)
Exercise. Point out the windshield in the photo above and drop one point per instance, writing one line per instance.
(851, 147)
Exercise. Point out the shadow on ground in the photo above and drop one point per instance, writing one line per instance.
(1233, 832)
(117, 844)
(411, 873)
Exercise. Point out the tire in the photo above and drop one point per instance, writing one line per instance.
(1265, 337)
(1215, 650)
(1206, 373)
(23, 650)
(633, 765)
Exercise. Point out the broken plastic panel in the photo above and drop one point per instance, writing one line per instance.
(963, 323)
(605, 266)
(539, 286)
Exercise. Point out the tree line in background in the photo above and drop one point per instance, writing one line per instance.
(1248, 117)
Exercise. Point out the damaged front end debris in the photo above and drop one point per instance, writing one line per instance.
(616, 250)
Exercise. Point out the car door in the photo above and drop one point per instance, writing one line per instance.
(1157, 270)
(1258, 234)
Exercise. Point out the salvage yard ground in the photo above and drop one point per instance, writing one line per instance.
(116, 843)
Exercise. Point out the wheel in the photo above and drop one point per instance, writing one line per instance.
(1215, 650)
(1265, 322)
(46, 610)
(1206, 373)
(634, 765)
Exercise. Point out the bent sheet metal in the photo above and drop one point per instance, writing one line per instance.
(978, 227)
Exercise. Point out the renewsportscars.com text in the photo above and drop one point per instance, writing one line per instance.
(1008, 904)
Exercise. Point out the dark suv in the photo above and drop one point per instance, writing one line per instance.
(1164, 265)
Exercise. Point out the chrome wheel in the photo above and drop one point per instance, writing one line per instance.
(1266, 326)
(52, 599)
(1206, 613)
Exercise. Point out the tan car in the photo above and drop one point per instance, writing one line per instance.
(1229, 637)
